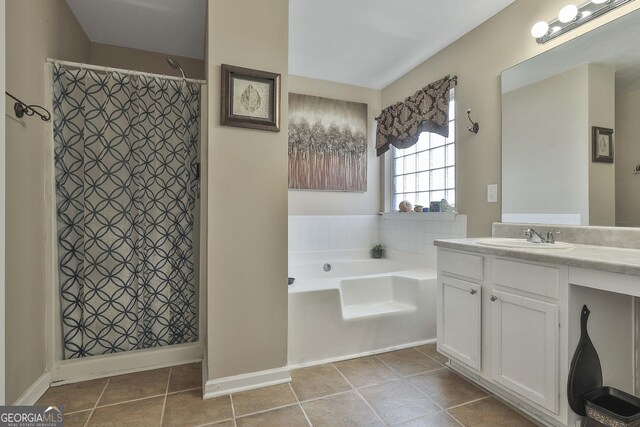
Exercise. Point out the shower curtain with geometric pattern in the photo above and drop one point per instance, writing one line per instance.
(126, 164)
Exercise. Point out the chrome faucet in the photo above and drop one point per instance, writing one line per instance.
(534, 237)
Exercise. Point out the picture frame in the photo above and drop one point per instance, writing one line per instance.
(602, 144)
(250, 98)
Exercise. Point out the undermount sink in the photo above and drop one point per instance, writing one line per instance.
(521, 244)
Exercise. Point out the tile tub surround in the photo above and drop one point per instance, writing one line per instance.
(414, 233)
(309, 233)
(406, 388)
(617, 237)
(401, 233)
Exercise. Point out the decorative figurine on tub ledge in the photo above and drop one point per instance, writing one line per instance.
(377, 251)
(405, 206)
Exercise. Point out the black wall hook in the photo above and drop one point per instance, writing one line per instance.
(475, 127)
(21, 109)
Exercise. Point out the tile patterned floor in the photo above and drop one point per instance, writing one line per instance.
(405, 388)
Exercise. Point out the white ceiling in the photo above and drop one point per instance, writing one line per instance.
(372, 43)
(173, 27)
(367, 43)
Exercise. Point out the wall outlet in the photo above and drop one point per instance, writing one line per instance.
(492, 193)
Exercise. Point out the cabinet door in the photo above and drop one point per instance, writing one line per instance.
(459, 323)
(524, 343)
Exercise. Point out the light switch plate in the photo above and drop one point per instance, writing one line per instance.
(492, 193)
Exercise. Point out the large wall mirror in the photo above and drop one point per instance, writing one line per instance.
(553, 108)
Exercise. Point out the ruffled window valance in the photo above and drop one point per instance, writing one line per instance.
(427, 110)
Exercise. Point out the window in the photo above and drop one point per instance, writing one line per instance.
(426, 171)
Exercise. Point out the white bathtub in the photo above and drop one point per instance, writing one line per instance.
(361, 306)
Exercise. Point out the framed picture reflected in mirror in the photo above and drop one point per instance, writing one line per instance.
(602, 144)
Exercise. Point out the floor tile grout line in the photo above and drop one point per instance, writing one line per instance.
(454, 418)
(416, 388)
(361, 397)
(441, 411)
(388, 366)
(233, 410)
(466, 403)
(288, 405)
(86, 423)
(313, 399)
(299, 403)
(405, 376)
(424, 352)
(413, 386)
(155, 396)
(427, 396)
(399, 377)
(183, 391)
(166, 392)
(426, 372)
(214, 422)
(436, 403)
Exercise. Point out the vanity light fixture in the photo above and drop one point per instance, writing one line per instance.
(572, 16)
(568, 13)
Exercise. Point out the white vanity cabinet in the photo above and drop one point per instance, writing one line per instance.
(511, 324)
(499, 320)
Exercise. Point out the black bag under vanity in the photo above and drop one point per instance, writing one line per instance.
(603, 406)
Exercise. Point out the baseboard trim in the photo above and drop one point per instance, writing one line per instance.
(90, 368)
(363, 354)
(244, 382)
(35, 391)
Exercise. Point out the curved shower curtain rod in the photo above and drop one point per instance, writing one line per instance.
(120, 70)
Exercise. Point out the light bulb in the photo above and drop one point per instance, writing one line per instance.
(568, 13)
(539, 29)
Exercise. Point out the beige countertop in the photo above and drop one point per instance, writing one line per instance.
(603, 258)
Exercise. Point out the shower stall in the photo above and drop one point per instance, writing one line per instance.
(124, 218)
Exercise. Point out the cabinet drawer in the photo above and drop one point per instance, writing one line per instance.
(464, 265)
(535, 279)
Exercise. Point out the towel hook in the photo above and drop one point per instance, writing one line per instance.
(475, 127)
(21, 109)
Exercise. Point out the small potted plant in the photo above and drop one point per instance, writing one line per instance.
(377, 251)
(418, 208)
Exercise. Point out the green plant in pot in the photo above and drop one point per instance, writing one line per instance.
(377, 251)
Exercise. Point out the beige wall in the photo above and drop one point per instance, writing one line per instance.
(35, 30)
(627, 157)
(142, 60)
(247, 230)
(303, 202)
(602, 176)
(477, 59)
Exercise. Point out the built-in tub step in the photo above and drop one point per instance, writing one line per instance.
(378, 296)
(360, 311)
